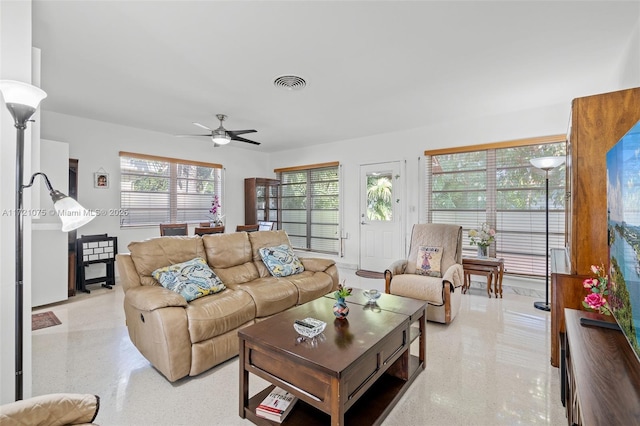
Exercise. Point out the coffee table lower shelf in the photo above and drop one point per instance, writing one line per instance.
(371, 409)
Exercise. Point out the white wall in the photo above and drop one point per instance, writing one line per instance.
(49, 281)
(96, 145)
(629, 68)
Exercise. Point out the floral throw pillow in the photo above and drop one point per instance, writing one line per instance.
(281, 261)
(191, 279)
(428, 262)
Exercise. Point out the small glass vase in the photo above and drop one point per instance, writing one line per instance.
(483, 252)
(340, 308)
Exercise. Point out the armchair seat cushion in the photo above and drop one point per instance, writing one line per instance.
(419, 287)
(215, 315)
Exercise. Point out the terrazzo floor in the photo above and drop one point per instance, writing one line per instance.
(489, 367)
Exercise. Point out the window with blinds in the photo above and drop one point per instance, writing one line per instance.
(157, 190)
(499, 186)
(310, 206)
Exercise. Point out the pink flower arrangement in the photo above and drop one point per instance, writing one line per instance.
(482, 237)
(215, 205)
(598, 288)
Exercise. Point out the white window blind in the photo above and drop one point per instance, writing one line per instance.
(310, 206)
(157, 190)
(499, 186)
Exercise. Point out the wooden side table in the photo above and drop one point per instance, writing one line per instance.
(490, 267)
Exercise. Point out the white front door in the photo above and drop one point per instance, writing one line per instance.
(380, 215)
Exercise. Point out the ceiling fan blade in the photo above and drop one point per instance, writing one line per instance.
(190, 136)
(241, 139)
(240, 132)
(201, 125)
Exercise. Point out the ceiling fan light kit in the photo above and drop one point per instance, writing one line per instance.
(221, 136)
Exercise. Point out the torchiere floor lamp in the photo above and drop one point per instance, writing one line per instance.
(547, 164)
(22, 101)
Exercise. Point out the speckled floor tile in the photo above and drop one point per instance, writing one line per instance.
(489, 367)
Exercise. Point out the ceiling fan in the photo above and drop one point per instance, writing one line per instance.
(222, 136)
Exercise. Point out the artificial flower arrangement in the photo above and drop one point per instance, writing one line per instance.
(342, 291)
(215, 209)
(598, 287)
(483, 236)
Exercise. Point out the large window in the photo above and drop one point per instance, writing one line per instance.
(498, 185)
(310, 206)
(157, 190)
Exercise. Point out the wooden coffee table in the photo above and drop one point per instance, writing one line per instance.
(352, 373)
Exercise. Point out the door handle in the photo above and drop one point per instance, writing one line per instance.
(363, 223)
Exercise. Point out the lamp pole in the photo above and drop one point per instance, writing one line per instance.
(547, 164)
(21, 116)
(22, 101)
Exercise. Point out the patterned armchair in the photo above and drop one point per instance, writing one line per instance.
(433, 270)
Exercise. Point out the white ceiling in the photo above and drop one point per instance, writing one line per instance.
(371, 66)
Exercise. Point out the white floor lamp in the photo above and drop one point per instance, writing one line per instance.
(547, 164)
(22, 101)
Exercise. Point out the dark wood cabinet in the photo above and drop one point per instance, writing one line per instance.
(600, 374)
(261, 201)
(597, 123)
(567, 291)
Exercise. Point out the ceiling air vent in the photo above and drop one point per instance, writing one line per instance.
(290, 82)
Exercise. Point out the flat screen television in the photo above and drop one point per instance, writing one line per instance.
(623, 203)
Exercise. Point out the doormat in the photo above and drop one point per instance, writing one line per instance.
(44, 320)
(369, 274)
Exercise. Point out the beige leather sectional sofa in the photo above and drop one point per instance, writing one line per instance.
(183, 338)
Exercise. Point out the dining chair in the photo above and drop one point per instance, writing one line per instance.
(167, 229)
(208, 230)
(247, 228)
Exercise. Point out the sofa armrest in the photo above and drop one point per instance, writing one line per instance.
(454, 275)
(315, 264)
(398, 267)
(127, 272)
(149, 298)
(52, 409)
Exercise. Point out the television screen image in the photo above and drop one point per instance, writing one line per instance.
(623, 203)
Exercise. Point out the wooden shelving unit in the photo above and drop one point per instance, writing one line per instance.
(261, 200)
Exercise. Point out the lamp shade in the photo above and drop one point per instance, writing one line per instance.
(71, 213)
(547, 163)
(19, 93)
(220, 136)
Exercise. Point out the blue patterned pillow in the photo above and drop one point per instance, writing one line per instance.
(281, 261)
(192, 279)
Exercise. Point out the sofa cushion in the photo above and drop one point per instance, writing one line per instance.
(428, 262)
(215, 315)
(155, 253)
(227, 250)
(311, 285)
(51, 410)
(191, 279)
(281, 261)
(261, 239)
(271, 295)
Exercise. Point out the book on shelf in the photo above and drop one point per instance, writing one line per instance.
(276, 405)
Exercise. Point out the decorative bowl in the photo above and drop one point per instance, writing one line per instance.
(309, 327)
(371, 295)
